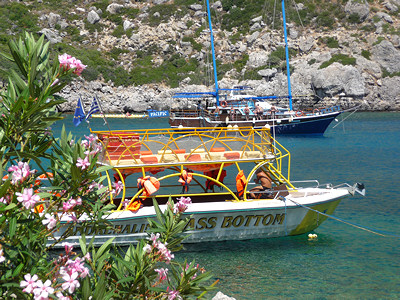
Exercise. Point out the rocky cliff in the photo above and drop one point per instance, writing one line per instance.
(354, 60)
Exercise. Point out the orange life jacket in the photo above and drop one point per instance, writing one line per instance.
(241, 182)
(134, 206)
(185, 178)
(149, 184)
(214, 174)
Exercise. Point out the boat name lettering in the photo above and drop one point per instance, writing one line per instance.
(236, 221)
(121, 229)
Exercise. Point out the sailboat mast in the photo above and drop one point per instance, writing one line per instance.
(213, 53)
(287, 56)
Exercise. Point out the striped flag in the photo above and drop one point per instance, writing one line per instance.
(94, 108)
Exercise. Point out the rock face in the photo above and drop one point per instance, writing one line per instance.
(360, 8)
(337, 79)
(387, 56)
(372, 79)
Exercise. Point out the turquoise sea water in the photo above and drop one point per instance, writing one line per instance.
(344, 262)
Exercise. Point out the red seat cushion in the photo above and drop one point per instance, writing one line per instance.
(217, 149)
(232, 155)
(149, 159)
(193, 157)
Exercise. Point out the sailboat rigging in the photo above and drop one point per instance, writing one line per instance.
(238, 109)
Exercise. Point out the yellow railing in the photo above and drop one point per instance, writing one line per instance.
(126, 152)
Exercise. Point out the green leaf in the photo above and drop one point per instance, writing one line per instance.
(82, 243)
(18, 270)
(103, 248)
(13, 227)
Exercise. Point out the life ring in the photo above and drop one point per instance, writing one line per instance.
(224, 103)
(315, 111)
(299, 113)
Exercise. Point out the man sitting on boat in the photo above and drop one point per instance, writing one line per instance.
(261, 191)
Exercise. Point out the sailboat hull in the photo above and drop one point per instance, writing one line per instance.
(315, 124)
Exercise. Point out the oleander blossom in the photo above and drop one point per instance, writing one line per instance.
(29, 283)
(182, 205)
(69, 62)
(28, 198)
(50, 221)
(83, 163)
(43, 290)
(162, 274)
(158, 248)
(118, 187)
(20, 172)
(172, 295)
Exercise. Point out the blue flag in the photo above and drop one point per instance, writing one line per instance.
(94, 108)
(79, 115)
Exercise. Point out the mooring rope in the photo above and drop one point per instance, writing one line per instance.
(374, 231)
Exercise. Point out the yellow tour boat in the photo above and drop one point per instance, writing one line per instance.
(238, 180)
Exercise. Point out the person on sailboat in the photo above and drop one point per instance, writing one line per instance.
(261, 191)
(258, 112)
(232, 113)
(247, 112)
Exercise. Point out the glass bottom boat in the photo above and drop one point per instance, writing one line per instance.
(219, 169)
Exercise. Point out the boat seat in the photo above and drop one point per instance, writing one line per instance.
(179, 151)
(252, 154)
(147, 152)
(217, 149)
(169, 158)
(149, 159)
(232, 155)
(193, 157)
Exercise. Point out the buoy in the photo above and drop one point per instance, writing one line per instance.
(278, 121)
(180, 126)
(267, 126)
(235, 127)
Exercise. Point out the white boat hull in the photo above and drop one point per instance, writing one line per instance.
(219, 221)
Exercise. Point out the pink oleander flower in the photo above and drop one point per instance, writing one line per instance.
(71, 203)
(20, 172)
(182, 205)
(2, 257)
(60, 296)
(50, 220)
(147, 248)
(85, 144)
(71, 282)
(76, 266)
(3, 200)
(118, 187)
(154, 239)
(70, 62)
(173, 295)
(162, 274)
(166, 254)
(72, 217)
(43, 290)
(91, 138)
(68, 248)
(29, 284)
(28, 198)
(83, 163)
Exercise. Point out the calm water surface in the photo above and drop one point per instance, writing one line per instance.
(345, 262)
